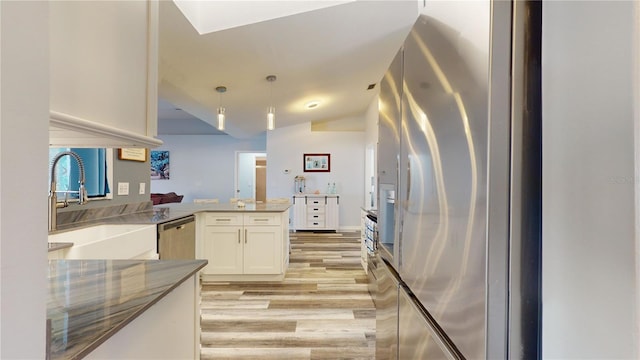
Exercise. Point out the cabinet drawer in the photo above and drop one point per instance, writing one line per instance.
(315, 209)
(315, 217)
(315, 224)
(223, 219)
(316, 201)
(262, 219)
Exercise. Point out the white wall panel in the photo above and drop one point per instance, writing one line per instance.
(24, 114)
(589, 253)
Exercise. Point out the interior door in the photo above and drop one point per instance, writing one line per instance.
(261, 179)
(246, 174)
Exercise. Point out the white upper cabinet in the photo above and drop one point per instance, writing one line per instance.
(103, 69)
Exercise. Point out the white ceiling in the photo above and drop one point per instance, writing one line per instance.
(329, 54)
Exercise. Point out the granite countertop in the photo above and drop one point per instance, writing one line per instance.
(315, 195)
(185, 209)
(169, 212)
(90, 300)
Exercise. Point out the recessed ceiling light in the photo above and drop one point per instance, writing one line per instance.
(312, 104)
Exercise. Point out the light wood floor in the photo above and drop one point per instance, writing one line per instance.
(322, 310)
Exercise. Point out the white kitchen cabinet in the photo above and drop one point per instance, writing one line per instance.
(103, 73)
(262, 250)
(316, 212)
(170, 329)
(223, 248)
(244, 246)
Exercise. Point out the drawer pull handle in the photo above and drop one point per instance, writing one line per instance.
(245, 236)
(238, 236)
(260, 219)
(223, 219)
(316, 209)
(315, 216)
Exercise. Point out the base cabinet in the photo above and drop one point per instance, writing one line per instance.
(316, 212)
(223, 248)
(249, 246)
(170, 329)
(262, 250)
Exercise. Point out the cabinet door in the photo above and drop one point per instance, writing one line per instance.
(222, 246)
(263, 250)
(332, 214)
(299, 213)
(91, 78)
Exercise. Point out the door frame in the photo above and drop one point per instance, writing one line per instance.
(236, 185)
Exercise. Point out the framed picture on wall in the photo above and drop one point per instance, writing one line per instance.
(159, 165)
(316, 162)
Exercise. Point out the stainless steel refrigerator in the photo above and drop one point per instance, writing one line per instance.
(458, 266)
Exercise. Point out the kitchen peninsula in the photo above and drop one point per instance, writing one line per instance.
(241, 243)
(124, 309)
(96, 307)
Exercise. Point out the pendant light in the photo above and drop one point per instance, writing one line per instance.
(271, 111)
(220, 90)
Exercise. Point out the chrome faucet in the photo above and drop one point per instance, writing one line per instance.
(53, 198)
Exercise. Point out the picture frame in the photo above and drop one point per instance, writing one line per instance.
(316, 162)
(133, 154)
(160, 165)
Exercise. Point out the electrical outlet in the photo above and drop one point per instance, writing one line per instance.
(141, 190)
(123, 188)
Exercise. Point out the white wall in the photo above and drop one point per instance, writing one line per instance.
(24, 114)
(285, 148)
(589, 250)
(203, 166)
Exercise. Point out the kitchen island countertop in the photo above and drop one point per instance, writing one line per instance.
(91, 300)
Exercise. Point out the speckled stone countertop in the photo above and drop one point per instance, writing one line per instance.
(90, 300)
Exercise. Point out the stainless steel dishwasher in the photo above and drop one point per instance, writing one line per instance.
(177, 239)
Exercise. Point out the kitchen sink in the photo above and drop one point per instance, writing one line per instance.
(122, 241)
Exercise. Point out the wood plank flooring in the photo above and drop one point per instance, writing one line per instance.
(321, 310)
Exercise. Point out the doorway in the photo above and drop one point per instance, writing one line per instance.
(251, 175)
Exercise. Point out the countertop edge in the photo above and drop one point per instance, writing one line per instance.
(55, 246)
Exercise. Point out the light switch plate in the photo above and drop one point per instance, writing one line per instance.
(123, 188)
(141, 190)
